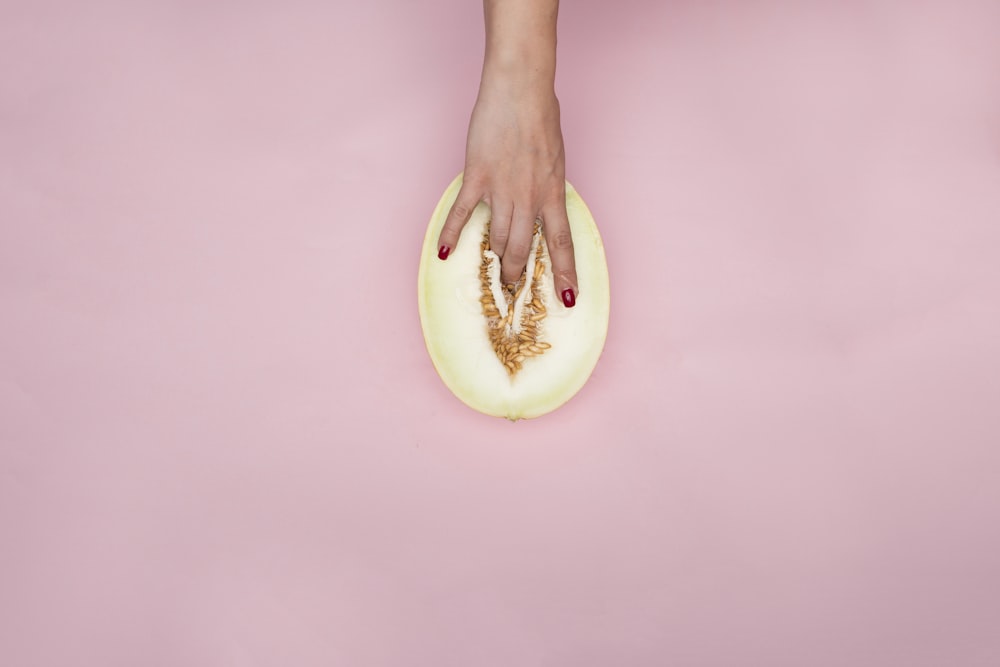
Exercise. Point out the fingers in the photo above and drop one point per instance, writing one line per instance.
(518, 248)
(560, 244)
(465, 203)
(500, 214)
(510, 238)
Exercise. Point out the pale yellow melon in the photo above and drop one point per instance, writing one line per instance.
(515, 353)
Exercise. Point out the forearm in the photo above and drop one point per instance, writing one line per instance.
(520, 45)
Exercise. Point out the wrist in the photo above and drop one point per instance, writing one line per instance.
(519, 73)
(519, 76)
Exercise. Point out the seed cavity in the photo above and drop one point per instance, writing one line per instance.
(514, 312)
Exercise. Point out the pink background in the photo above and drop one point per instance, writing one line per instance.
(222, 441)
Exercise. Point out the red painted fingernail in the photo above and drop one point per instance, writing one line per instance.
(443, 252)
(569, 299)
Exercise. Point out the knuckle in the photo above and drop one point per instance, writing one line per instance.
(519, 252)
(460, 211)
(498, 234)
(562, 240)
(473, 178)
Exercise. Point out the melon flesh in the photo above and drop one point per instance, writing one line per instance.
(456, 330)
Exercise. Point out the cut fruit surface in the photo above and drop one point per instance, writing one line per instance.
(511, 351)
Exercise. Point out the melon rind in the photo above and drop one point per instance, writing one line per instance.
(455, 332)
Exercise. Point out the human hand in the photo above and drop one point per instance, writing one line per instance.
(515, 162)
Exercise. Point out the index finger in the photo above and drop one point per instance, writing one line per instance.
(465, 203)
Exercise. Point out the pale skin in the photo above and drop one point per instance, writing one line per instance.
(514, 159)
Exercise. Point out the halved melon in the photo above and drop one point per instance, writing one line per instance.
(512, 351)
